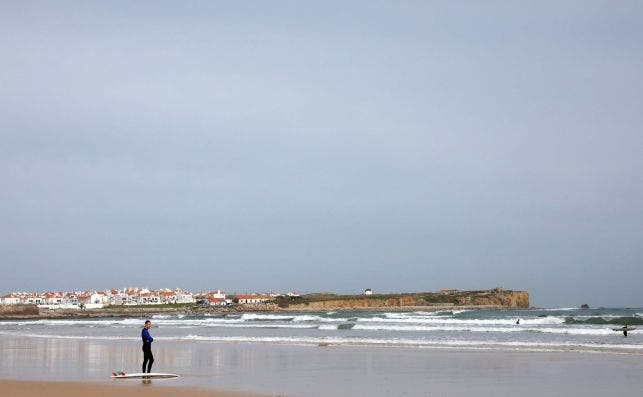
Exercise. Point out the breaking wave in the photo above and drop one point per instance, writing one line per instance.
(604, 320)
(343, 341)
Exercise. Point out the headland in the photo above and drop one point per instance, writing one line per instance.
(446, 299)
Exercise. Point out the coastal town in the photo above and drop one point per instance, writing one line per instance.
(127, 300)
(133, 297)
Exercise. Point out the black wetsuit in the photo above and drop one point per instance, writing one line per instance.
(148, 358)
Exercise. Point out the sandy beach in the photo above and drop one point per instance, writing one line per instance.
(76, 389)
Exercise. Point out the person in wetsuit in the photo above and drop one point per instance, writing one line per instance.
(148, 358)
(625, 331)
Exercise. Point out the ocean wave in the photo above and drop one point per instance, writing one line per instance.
(450, 326)
(343, 341)
(265, 317)
(236, 324)
(305, 318)
(603, 320)
(286, 318)
(250, 318)
(496, 321)
(423, 314)
(182, 323)
(128, 321)
(404, 315)
(421, 328)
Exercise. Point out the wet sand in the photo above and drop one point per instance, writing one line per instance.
(314, 371)
(75, 389)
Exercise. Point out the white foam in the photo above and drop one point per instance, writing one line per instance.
(128, 321)
(307, 318)
(509, 329)
(442, 320)
(255, 316)
(273, 320)
(492, 345)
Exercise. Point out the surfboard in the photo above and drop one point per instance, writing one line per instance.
(151, 375)
(623, 329)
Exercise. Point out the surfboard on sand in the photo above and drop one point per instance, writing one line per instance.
(151, 375)
(623, 329)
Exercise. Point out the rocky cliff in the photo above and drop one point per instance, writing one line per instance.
(496, 297)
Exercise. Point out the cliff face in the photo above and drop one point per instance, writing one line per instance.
(356, 303)
(498, 297)
(518, 299)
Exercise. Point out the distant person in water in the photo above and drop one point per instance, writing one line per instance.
(148, 358)
(518, 321)
(625, 331)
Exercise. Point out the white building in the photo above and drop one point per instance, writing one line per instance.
(95, 301)
(70, 300)
(10, 299)
(148, 299)
(34, 300)
(253, 298)
(53, 298)
(185, 297)
(217, 302)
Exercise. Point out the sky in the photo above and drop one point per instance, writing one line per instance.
(324, 146)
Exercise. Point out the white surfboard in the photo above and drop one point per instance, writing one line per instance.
(150, 375)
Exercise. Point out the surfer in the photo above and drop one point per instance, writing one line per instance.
(625, 331)
(148, 358)
(518, 321)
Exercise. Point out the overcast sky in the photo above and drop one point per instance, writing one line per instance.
(327, 146)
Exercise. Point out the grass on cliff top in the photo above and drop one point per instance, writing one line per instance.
(428, 297)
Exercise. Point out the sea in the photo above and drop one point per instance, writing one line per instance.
(531, 352)
(555, 329)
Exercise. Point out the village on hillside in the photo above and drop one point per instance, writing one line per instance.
(133, 297)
